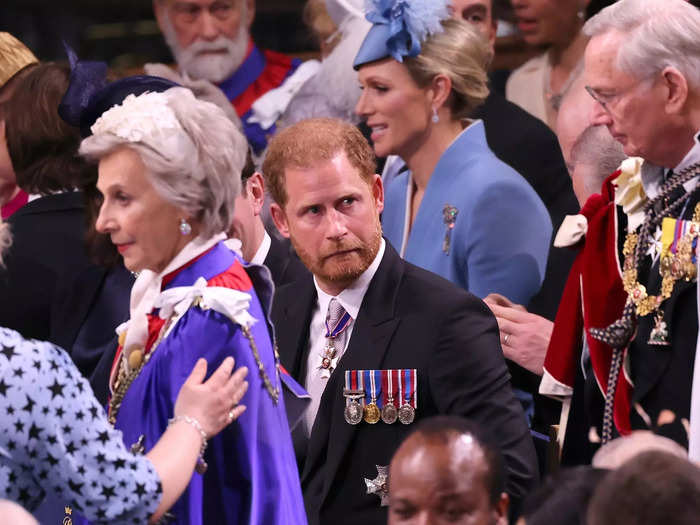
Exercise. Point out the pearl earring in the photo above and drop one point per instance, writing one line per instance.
(185, 227)
(435, 118)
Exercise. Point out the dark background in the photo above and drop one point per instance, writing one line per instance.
(124, 32)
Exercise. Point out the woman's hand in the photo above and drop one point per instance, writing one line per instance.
(214, 403)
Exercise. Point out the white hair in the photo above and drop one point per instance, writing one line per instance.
(5, 239)
(199, 171)
(658, 34)
(595, 147)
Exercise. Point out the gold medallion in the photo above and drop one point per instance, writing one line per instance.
(372, 414)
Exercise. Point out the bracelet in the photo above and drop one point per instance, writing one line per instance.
(201, 464)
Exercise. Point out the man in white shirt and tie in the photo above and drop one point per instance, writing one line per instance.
(412, 344)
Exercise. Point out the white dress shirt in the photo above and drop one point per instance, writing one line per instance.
(263, 250)
(350, 299)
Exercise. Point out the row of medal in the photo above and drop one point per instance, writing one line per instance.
(389, 395)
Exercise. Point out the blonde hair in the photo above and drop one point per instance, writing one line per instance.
(461, 53)
(5, 239)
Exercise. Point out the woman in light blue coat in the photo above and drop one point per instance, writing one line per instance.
(457, 210)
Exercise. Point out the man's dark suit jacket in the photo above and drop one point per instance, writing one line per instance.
(410, 318)
(283, 262)
(50, 290)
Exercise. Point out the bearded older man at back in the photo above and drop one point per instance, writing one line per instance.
(210, 40)
(640, 309)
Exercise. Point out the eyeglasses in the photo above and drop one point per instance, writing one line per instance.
(606, 101)
(188, 12)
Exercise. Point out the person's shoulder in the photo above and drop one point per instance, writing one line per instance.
(434, 293)
(30, 354)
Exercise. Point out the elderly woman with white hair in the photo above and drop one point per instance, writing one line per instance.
(56, 438)
(169, 172)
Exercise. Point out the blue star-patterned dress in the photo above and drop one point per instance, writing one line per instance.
(55, 438)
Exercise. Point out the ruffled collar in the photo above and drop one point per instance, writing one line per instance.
(147, 289)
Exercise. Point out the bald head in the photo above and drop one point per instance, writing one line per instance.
(445, 473)
(573, 117)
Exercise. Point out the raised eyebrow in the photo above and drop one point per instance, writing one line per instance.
(472, 9)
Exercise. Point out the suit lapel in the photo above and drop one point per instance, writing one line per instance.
(293, 307)
(372, 333)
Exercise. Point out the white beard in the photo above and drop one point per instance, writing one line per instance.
(196, 63)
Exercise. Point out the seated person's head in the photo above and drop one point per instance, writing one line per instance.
(15, 62)
(595, 155)
(620, 450)
(43, 148)
(247, 225)
(562, 498)
(446, 471)
(208, 38)
(479, 13)
(653, 487)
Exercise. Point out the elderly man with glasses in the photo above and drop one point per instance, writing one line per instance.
(633, 290)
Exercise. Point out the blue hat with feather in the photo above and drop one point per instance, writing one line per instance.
(399, 27)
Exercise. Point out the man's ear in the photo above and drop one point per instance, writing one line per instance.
(677, 86)
(279, 217)
(378, 192)
(250, 5)
(159, 11)
(255, 187)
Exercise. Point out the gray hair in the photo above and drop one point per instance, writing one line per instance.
(199, 172)
(5, 239)
(658, 34)
(595, 147)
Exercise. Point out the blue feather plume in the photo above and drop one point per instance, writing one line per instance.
(410, 22)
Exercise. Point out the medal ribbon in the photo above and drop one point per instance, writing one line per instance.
(360, 384)
(371, 378)
(341, 325)
(409, 378)
(387, 387)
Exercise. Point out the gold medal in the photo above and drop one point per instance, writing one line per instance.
(372, 414)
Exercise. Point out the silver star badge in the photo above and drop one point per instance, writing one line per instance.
(379, 485)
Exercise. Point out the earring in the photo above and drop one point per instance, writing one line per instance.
(581, 14)
(185, 228)
(435, 118)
